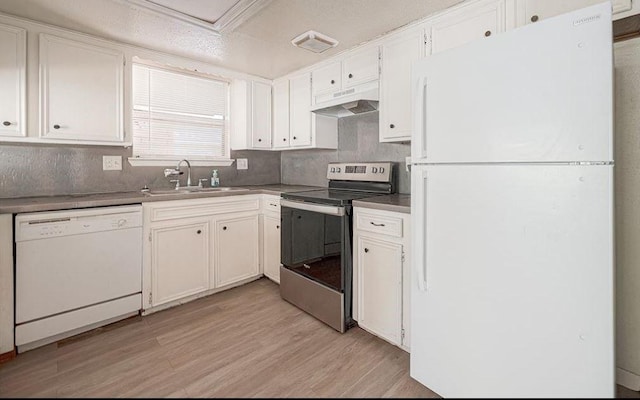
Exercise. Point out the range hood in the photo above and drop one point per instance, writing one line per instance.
(356, 100)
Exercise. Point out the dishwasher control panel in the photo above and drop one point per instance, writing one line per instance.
(44, 225)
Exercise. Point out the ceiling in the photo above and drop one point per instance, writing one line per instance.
(261, 45)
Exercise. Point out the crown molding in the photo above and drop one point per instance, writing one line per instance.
(230, 20)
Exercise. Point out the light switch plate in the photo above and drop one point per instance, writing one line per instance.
(242, 163)
(111, 163)
(407, 163)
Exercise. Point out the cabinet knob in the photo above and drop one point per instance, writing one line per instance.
(534, 18)
(259, 140)
(224, 228)
(56, 126)
(350, 75)
(6, 123)
(295, 138)
(199, 231)
(366, 250)
(487, 33)
(299, 216)
(277, 226)
(333, 81)
(284, 139)
(392, 126)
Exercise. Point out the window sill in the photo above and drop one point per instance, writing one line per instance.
(160, 162)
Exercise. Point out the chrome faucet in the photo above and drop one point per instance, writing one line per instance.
(176, 171)
(188, 172)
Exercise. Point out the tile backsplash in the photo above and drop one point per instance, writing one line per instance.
(357, 141)
(41, 170)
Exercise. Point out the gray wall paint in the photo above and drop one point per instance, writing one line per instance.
(357, 141)
(40, 170)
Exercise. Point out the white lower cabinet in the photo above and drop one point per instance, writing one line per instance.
(197, 247)
(179, 260)
(381, 274)
(271, 237)
(380, 288)
(236, 247)
(271, 247)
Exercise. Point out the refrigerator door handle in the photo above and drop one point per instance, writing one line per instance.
(419, 151)
(422, 236)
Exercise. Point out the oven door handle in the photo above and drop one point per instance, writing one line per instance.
(330, 210)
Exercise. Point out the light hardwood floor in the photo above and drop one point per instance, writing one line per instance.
(245, 342)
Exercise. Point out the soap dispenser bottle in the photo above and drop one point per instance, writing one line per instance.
(215, 181)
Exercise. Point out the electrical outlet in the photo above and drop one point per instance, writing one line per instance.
(111, 163)
(242, 163)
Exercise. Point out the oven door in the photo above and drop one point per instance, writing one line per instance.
(313, 242)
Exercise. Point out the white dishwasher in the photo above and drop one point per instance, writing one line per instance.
(76, 270)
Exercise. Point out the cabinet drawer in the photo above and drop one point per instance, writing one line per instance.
(211, 207)
(271, 204)
(383, 225)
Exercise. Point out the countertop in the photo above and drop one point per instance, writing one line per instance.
(393, 202)
(52, 203)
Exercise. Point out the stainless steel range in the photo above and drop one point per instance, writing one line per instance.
(316, 246)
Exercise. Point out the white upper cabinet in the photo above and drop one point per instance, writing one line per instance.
(81, 87)
(300, 110)
(281, 113)
(327, 79)
(535, 10)
(12, 81)
(261, 115)
(473, 22)
(360, 67)
(395, 84)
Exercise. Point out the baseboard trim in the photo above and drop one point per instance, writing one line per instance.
(8, 356)
(628, 379)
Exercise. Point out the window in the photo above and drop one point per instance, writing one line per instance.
(179, 115)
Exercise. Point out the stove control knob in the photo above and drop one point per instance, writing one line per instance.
(333, 169)
(374, 170)
(338, 169)
(382, 170)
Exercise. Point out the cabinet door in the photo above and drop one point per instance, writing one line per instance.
(12, 81)
(466, 25)
(300, 110)
(395, 86)
(327, 79)
(81, 87)
(271, 249)
(236, 249)
(179, 261)
(536, 10)
(361, 67)
(261, 115)
(281, 113)
(379, 268)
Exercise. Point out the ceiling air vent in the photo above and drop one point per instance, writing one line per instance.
(314, 41)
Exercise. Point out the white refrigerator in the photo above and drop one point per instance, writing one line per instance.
(512, 213)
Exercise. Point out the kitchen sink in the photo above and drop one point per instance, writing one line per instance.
(191, 190)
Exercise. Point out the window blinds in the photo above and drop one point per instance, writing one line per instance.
(178, 115)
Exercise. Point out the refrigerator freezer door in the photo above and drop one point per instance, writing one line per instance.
(513, 287)
(540, 93)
